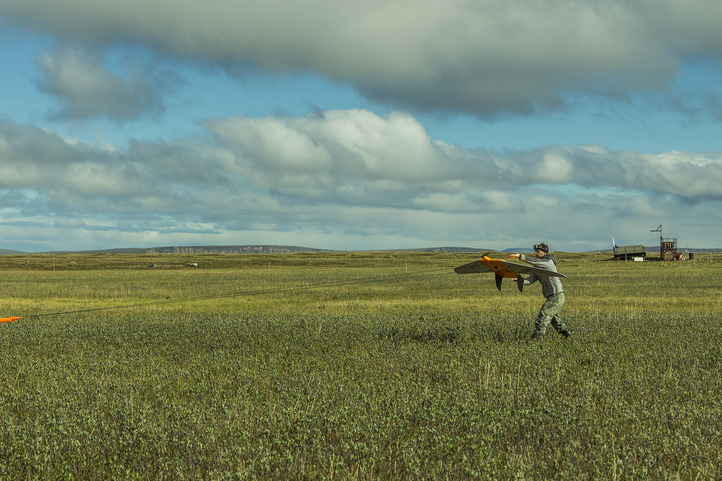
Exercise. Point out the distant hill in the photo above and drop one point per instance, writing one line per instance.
(525, 250)
(253, 249)
(655, 248)
(247, 249)
(682, 249)
(439, 249)
(278, 249)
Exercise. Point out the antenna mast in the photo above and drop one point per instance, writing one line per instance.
(659, 229)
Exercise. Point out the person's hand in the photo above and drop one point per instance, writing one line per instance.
(514, 256)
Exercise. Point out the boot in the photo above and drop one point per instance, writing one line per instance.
(567, 334)
(562, 328)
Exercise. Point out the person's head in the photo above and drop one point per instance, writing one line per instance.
(541, 250)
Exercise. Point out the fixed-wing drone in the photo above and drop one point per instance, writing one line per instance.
(502, 269)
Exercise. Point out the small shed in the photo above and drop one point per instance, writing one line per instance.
(623, 253)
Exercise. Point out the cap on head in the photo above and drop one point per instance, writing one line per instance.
(542, 247)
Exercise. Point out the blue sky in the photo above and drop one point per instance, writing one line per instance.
(359, 125)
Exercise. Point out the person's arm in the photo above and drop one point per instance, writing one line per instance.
(521, 257)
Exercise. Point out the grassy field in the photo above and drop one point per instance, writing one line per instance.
(355, 366)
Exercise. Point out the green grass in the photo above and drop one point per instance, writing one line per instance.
(355, 366)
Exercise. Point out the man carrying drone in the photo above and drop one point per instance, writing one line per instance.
(552, 290)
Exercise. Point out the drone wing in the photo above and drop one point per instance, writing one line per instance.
(523, 269)
(9, 319)
(502, 269)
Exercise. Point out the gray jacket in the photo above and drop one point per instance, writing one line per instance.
(550, 285)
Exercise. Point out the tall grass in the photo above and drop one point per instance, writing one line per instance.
(332, 366)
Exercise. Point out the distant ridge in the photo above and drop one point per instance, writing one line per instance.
(524, 250)
(246, 249)
(254, 249)
(238, 249)
(436, 249)
(279, 249)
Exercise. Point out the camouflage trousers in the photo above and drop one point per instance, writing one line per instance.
(549, 314)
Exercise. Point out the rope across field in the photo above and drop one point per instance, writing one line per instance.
(279, 290)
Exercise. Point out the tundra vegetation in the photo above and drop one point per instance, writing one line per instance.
(355, 366)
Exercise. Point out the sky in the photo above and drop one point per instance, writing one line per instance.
(347, 125)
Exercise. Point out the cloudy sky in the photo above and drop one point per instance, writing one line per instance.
(342, 124)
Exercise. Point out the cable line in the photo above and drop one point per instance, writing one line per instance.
(252, 292)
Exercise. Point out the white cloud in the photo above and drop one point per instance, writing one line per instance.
(342, 144)
(86, 88)
(484, 57)
(348, 174)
